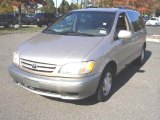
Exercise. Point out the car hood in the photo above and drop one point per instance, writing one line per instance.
(152, 21)
(57, 49)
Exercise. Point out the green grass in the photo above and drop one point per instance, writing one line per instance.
(4, 31)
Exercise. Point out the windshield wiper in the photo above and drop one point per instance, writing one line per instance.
(49, 31)
(77, 33)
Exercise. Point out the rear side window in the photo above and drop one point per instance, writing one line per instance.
(136, 20)
(49, 15)
(3, 16)
(39, 15)
(10, 16)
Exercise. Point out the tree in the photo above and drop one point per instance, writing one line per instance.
(50, 7)
(75, 2)
(142, 6)
(156, 5)
(5, 6)
(103, 3)
(73, 6)
(85, 3)
(64, 7)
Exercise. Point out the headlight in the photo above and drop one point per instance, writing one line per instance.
(78, 68)
(15, 58)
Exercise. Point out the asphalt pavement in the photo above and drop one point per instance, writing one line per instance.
(135, 95)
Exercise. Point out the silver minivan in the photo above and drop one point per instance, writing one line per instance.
(80, 55)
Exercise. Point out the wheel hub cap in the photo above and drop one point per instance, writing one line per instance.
(142, 56)
(107, 84)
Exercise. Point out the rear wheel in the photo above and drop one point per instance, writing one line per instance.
(105, 85)
(141, 58)
(5, 26)
(10, 25)
(39, 25)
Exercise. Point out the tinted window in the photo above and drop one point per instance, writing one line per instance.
(39, 15)
(3, 16)
(46, 15)
(49, 15)
(136, 20)
(121, 23)
(10, 16)
(153, 19)
(140, 20)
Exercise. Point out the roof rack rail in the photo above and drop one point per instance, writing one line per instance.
(91, 6)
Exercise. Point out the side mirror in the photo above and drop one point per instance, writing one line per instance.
(124, 34)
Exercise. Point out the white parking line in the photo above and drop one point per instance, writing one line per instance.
(153, 40)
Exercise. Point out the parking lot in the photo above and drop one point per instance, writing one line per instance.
(135, 95)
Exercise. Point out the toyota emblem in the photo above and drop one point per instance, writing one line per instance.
(34, 66)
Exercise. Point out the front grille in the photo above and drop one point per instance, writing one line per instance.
(37, 66)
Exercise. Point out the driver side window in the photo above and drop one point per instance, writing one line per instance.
(122, 23)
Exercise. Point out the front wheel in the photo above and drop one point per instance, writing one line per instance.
(105, 85)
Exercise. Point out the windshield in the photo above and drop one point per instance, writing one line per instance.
(153, 19)
(84, 23)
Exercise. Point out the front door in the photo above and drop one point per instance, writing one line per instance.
(124, 48)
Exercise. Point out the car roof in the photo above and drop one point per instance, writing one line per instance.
(104, 9)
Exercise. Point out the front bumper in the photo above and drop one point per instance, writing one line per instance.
(64, 88)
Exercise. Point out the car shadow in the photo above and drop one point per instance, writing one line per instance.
(121, 79)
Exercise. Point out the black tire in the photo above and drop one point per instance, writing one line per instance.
(5, 26)
(141, 58)
(39, 25)
(10, 25)
(49, 24)
(104, 90)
